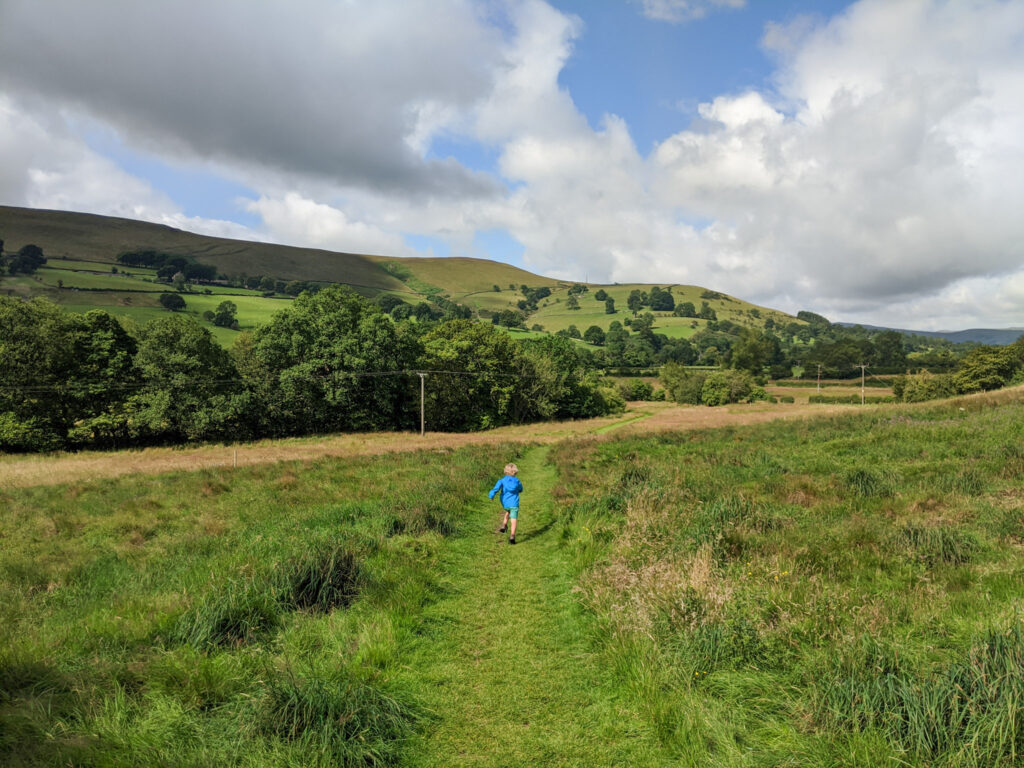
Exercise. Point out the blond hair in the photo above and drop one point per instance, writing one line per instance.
(511, 469)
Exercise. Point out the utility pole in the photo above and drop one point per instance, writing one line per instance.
(819, 378)
(423, 377)
(862, 367)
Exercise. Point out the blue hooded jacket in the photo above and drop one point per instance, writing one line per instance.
(510, 488)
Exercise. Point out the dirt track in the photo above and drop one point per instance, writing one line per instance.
(641, 418)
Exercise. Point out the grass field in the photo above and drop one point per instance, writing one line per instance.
(838, 592)
(835, 591)
(138, 299)
(96, 266)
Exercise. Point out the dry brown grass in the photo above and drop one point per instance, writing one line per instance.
(668, 416)
(643, 581)
(53, 469)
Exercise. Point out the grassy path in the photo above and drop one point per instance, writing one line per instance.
(505, 662)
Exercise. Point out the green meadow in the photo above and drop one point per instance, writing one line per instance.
(844, 590)
(135, 294)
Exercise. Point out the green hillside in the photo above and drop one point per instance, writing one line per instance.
(66, 235)
(82, 250)
(462, 277)
(554, 315)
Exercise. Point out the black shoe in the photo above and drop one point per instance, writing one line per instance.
(503, 529)
(512, 540)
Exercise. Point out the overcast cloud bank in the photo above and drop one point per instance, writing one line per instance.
(880, 179)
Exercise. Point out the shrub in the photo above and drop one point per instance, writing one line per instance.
(919, 387)
(682, 385)
(723, 387)
(172, 301)
(635, 389)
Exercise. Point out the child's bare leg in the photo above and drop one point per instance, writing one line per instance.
(512, 530)
(504, 521)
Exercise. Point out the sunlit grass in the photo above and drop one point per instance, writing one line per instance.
(226, 615)
(740, 572)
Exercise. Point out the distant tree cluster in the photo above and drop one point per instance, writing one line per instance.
(983, 369)
(698, 387)
(687, 309)
(25, 261)
(531, 296)
(657, 299)
(82, 380)
(509, 318)
(168, 265)
(423, 312)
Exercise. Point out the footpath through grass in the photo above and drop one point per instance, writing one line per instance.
(507, 663)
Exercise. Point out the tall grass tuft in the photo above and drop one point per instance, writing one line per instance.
(967, 715)
(30, 694)
(328, 577)
(969, 482)
(713, 520)
(634, 477)
(235, 614)
(337, 717)
(933, 546)
(869, 483)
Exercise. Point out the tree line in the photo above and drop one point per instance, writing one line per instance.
(330, 361)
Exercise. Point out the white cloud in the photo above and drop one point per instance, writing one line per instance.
(43, 165)
(883, 177)
(296, 220)
(878, 180)
(679, 11)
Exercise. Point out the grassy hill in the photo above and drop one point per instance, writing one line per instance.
(83, 236)
(554, 316)
(82, 251)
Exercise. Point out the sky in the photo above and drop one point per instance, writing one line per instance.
(863, 160)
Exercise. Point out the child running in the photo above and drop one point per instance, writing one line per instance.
(510, 488)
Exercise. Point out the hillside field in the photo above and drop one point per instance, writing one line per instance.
(841, 590)
(554, 315)
(82, 248)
